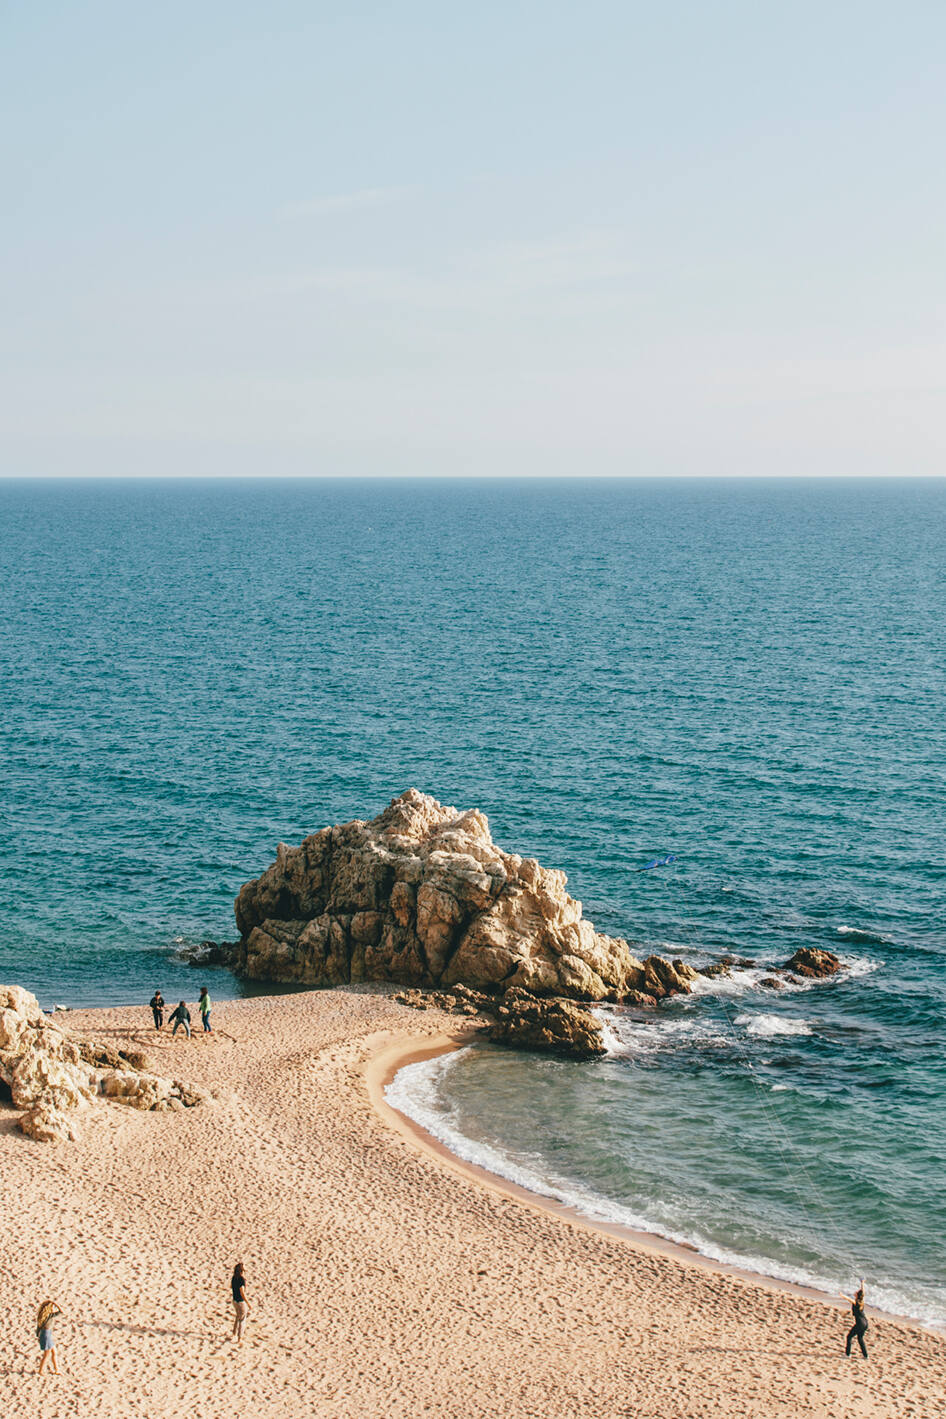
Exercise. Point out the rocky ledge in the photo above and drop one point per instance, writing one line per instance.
(518, 1019)
(547, 1027)
(422, 896)
(53, 1077)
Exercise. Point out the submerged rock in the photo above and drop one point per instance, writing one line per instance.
(52, 1077)
(808, 961)
(547, 1026)
(209, 953)
(422, 896)
(639, 998)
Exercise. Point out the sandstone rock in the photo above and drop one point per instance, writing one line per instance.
(411, 998)
(808, 961)
(141, 1091)
(640, 998)
(547, 1026)
(108, 1057)
(48, 1125)
(15, 998)
(661, 978)
(39, 1077)
(188, 1095)
(422, 896)
(13, 1028)
(51, 1077)
(771, 983)
(684, 971)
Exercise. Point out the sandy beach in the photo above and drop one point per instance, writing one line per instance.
(385, 1282)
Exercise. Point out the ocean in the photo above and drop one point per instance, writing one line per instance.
(746, 675)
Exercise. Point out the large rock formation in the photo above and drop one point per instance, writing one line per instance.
(52, 1077)
(423, 896)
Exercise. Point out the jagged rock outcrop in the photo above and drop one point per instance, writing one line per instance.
(808, 961)
(547, 1027)
(660, 978)
(423, 896)
(52, 1077)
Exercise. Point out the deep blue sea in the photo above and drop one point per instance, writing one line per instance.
(746, 675)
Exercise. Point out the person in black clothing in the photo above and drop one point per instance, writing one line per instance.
(181, 1016)
(240, 1303)
(157, 1009)
(859, 1328)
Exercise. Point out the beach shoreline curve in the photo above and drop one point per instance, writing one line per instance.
(390, 1057)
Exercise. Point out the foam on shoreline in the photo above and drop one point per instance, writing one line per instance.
(415, 1090)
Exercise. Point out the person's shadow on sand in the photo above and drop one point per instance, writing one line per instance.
(744, 1350)
(146, 1329)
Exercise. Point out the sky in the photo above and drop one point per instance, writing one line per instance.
(516, 239)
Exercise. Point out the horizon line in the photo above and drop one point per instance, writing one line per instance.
(470, 477)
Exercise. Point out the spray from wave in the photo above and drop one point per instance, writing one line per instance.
(768, 1026)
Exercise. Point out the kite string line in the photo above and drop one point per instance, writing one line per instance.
(776, 1127)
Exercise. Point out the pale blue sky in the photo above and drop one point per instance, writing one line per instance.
(608, 238)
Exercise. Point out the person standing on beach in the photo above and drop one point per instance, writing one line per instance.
(44, 1334)
(157, 1009)
(859, 1328)
(181, 1016)
(240, 1303)
(203, 1005)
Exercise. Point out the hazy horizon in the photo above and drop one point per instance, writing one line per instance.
(522, 242)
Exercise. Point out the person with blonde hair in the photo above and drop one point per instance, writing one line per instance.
(44, 1334)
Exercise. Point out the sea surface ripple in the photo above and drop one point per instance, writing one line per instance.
(748, 676)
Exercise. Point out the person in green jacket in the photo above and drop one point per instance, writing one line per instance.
(203, 1005)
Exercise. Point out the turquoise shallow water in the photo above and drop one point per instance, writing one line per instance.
(748, 676)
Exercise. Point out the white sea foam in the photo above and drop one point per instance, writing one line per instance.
(767, 1026)
(742, 979)
(739, 980)
(626, 1036)
(610, 1038)
(870, 937)
(855, 966)
(416, 1092)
